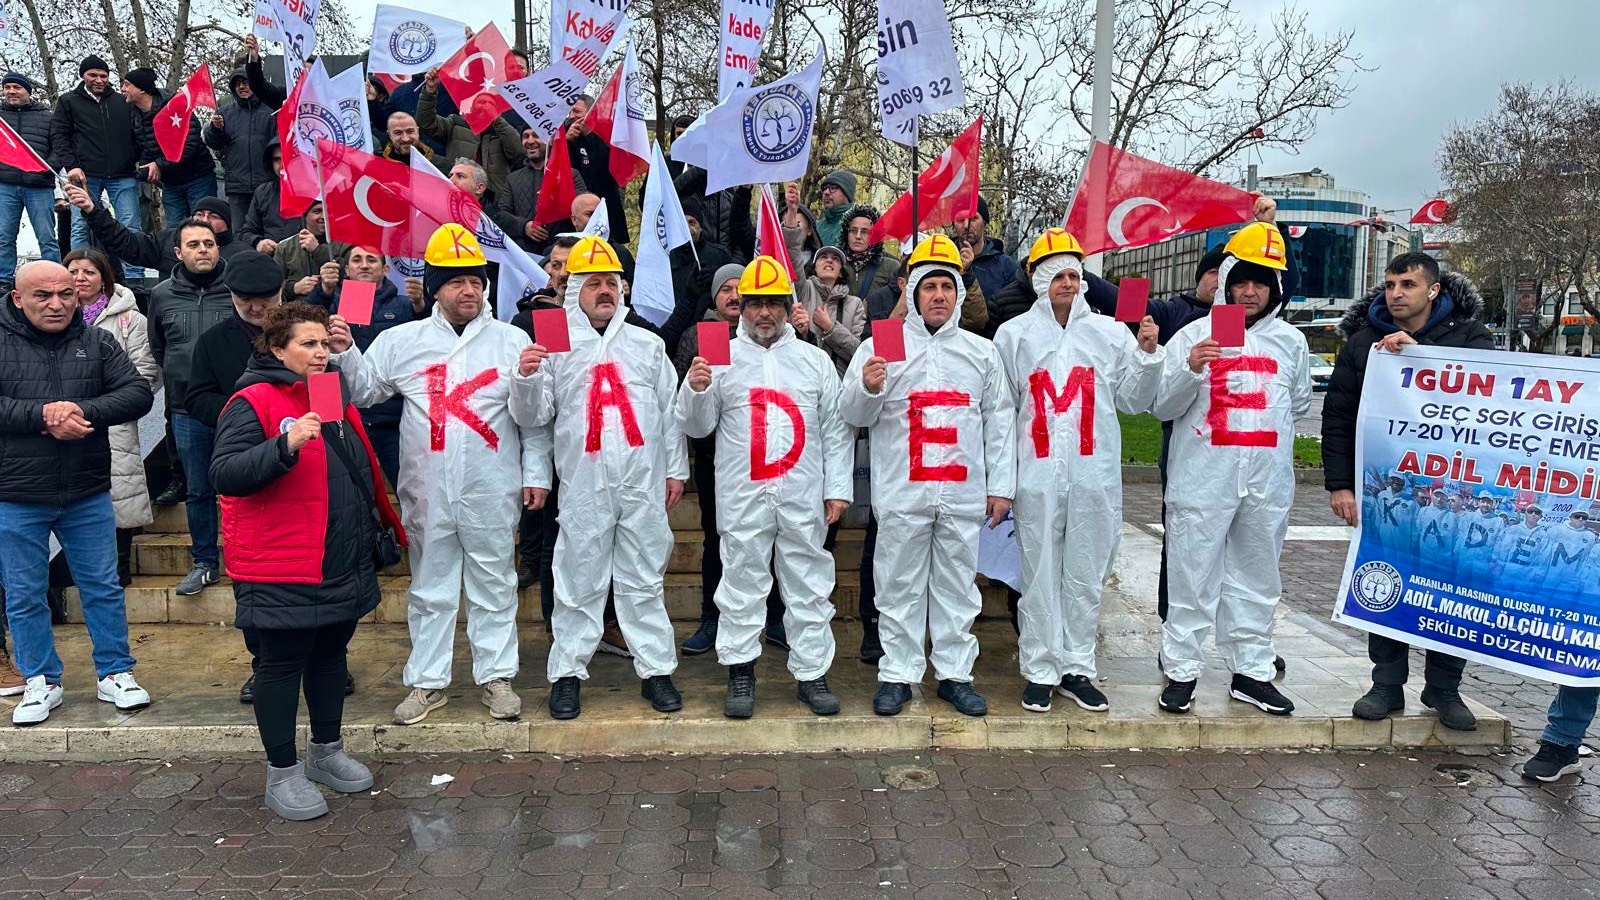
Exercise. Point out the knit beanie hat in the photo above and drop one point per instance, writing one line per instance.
(18, 78)
(144, 79)
(92, 62)
(844, 180)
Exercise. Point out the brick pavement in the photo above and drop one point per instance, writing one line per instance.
(1028, 826)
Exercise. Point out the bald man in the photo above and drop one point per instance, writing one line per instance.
(63, 384)
(583, 207)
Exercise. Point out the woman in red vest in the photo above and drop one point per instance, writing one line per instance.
(302, 503)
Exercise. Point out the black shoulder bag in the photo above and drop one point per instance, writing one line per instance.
(385, 544)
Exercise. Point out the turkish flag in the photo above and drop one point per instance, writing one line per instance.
(171, 123)
(472, 74)
(1434, 212)
(558, 189)
(612, 120)
(946, 191)
(384, 206)
(18, 153)
(1125, 200)
(297, 180)
(769, 232)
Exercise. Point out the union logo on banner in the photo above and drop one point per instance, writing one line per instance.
(412, 42)
(777, 123)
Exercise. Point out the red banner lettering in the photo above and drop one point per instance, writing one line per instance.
(608, 389)
(445, 401)
(1080, 386)
(1224, 400)
(761, 468)
(921, 435)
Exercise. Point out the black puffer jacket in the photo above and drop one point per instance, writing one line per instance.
(181, 311)
(246, 461)
(262, 219)
(93, 135)
(1454, 323)
(248, 127)
(32, 121)
(196, 160)
(82, 364)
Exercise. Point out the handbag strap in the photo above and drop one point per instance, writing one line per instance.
(364, 486)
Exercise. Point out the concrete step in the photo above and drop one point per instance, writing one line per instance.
(150, 600)
(168, 554)
(173, 519)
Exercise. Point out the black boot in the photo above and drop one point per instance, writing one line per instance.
(815, 694)
(1379, 702)
(741, 700)
(174, 493)
(871, 647)
(125, 556)
(1453, 712)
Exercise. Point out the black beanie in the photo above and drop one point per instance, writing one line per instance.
(92, 62)
(144, 79)
(18, 78)
(983, 208)
(216, 205)
(1249, 271)
(250, 274)
(434, 277)
(1211, 260)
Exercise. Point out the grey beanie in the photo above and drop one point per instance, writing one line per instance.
(723, 273)
(844, 180)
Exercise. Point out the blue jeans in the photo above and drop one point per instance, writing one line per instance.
(124, 195)
(39, 202)
(87, 530)
(1571, 713)
(178, 200)
(194, 440)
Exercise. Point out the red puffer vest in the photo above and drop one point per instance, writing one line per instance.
(278, 534)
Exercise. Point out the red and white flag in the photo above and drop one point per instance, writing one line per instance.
(1125, 200)
(947, 190)
(472, 75)
(297, 180)
(171, 123)
(618, 118)
(558, 189)
(1435, 212)
(18, 153)
(769, 232)
(383, 205)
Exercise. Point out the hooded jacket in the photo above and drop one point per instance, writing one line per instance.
(248, 128)
(180, 312)
(847, 310)
(263, 219)
(80, 364)
(1453, 323)
(196, 161)
(93, 135)
(130, 496)
(32, 121)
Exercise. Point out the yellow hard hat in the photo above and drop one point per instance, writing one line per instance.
(1259, 243)
(935, 249)
(590, 255)
(764, 277)
(452, 247)
(1052, 242)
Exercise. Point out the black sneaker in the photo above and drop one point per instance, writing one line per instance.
(564, 698)
(891, 698)
(174, 493)
(1177, 696)
(1453, 712)
(1379, 702)
(703, 639)
(661, 693)
(815, 694)
(1083, 692)
(741, 701)
(963, 697)
(349, 684)
(871, 647)
(527, 574)
(1552, 763)
(1260, 693)
(1036, 697)
(247, 691)
(1280, 665)
(776, 636)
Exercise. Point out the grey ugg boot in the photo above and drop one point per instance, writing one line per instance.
(328, 764)
(290, 795)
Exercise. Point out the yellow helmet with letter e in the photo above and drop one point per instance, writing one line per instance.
(1259, 243)
(592, 255)
(1054, 241)
(765, 277)
(935, 249)
(453, 247)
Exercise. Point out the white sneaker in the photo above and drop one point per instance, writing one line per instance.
(121, 689)
(38, 699)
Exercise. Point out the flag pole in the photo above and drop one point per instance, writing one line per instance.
(916, 174)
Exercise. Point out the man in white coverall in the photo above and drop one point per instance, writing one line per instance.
(1436, 526)
(1480, 534)
(1231, 478)
(784, 474)
(1523, 551)
(1069, 370)
(622, 465)
(468, 453)
(1571, 549)
(1395, 517)
(942, 462)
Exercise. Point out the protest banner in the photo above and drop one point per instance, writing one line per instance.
(1475, 537)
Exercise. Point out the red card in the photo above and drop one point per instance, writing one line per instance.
(327, 396)
(1133, 299)
(889, 339)
(1227, 324)
(355, 301)
(715, 346)
(550, 330)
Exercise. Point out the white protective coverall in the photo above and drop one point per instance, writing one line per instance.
(467, 448)
(941, 446)
(1570, 550)
(616, 444)
(1067, 384)
(1523, 553)
(782, 450)
(1479, 536)
(1230, 486)
(1436, 528)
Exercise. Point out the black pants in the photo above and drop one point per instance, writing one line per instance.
(290, 657)
(867, 601)
(1391, 663)
(705, 487)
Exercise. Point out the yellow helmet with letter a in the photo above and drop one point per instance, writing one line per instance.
(592, 255)
(1260, 243)
(1052, 242)
(935, 249)
(765, 277)
(453, 247)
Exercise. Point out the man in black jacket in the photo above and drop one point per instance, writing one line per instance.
(514, 208)
(591, 161)
(185, 180)
(1416, 305)
(25, 191)
(241, 133)
(63, 384)
(264, 223)
(91, 136)
(138, 249)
